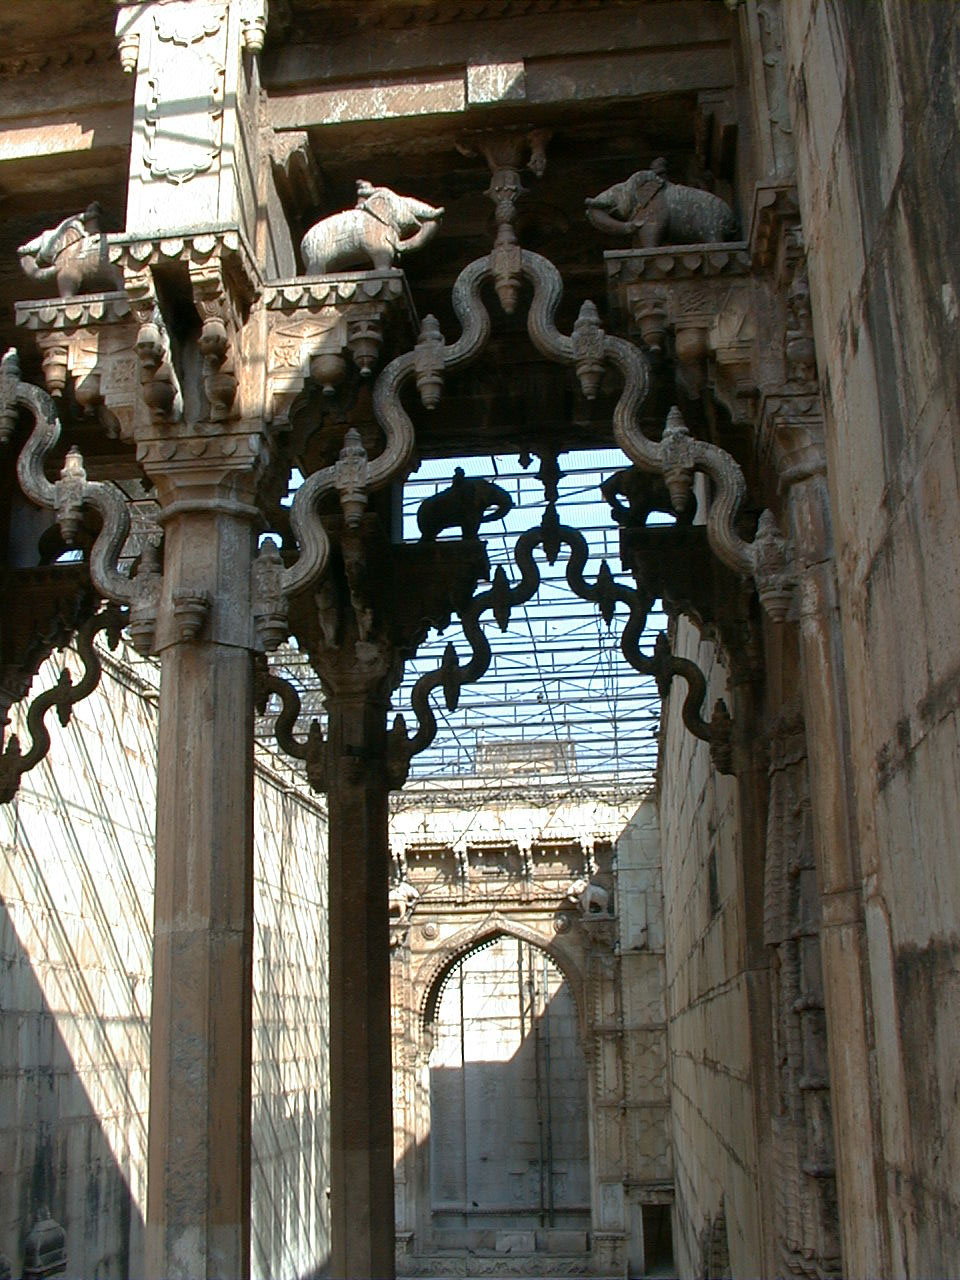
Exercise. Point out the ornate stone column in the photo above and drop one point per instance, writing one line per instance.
(794, 424)
(361, 1119)
(198, 1202)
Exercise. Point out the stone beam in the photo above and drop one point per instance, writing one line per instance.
(655, 30)
(624, 75)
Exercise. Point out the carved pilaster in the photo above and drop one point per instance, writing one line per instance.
(194, 111)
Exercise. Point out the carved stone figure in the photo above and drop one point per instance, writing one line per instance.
(381, 225)
(592, 898)
(644, 493)
(466, 504)
(74, 254)
(403, 898)
(656, 211)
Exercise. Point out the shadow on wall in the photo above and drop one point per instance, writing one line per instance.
(68, 1138)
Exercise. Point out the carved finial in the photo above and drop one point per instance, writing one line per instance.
(145, 598)
(772, 570)
(69, 489)
(269, 604)
(428, 362)
(364, 338)
(351, 478)
(9, 378)
(253, 24)
(588, 349)
(677, 446)
(128, 47)
(190, 609)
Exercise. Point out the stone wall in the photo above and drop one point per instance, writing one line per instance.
(708, 1001)
(471, 868)
(874, 99)
(76, 916)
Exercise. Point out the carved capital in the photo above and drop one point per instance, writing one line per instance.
(791, 436)
(775, 238)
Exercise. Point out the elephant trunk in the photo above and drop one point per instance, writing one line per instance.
(30, 262)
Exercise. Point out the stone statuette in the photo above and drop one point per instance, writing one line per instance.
(656, 211)
(465, 505)
(74, 254)
(381, 225)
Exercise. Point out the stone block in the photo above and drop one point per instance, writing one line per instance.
(516, 1242)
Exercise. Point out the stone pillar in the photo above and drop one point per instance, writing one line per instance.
(195, 127)
(798, 433)
(361, 1092)
(198, 614)
(198, 1203)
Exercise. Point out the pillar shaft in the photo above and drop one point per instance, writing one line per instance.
(361, 1121)
(198, 1197)
(856, 1109)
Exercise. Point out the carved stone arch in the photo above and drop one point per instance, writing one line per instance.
(428, 982)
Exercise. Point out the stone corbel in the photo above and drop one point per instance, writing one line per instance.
(317, 326)
(87, 341)
(223, 283)
(684, 289)
(775, 239)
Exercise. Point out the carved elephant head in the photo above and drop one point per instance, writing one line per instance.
(658, 212)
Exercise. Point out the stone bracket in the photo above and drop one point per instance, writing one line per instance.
(315, 324)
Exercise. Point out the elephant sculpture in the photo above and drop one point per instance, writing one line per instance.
(466, 504)
(656, 211)
(644, 494)
(381, 225)
(592, 898)
(74, 254)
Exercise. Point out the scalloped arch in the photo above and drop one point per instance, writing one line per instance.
(428, 981)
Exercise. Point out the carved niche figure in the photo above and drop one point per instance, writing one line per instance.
(74, 254)
(656, 211)
(466, 504)
(381, 225)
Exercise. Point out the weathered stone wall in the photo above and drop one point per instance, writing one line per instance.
(476, 868)
(708, 1014)
(76, 919)
(874, 98)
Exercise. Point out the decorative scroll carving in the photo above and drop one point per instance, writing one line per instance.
(71, 492)
(381, 225)
(655, 211)
(63, 695)
(312, 751)
(503, 597)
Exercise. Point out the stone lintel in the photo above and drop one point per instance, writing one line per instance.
(510, 35)
(475, 86)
